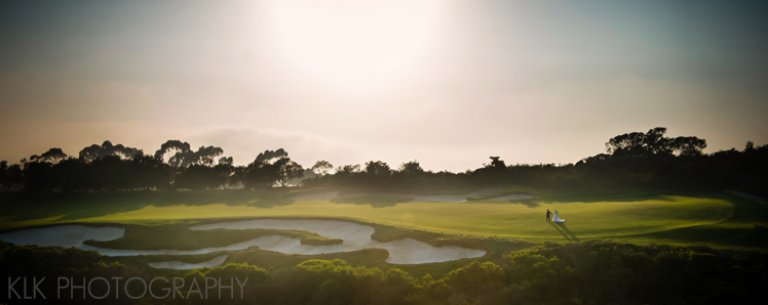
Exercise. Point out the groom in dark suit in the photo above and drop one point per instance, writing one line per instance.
(549, 216)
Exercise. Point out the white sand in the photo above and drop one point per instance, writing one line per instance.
(62, 236)
(355, 237)
(264, 241)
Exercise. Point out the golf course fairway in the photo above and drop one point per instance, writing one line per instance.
(586, 220)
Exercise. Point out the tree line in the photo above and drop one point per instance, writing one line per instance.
(636, 159)
(175, 165)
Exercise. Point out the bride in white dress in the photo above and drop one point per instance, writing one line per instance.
(556, 218)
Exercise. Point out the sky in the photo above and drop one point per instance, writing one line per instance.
(446, 83)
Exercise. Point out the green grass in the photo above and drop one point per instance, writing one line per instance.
(21, 209)
(511, 221)
(717, 219)
(161, 220)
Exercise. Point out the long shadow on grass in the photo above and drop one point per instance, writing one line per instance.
(374, 200)
(621, 195)
(563, 229)
(31, 205)
(528, 203)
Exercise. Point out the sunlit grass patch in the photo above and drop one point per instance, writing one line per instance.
(479, 219)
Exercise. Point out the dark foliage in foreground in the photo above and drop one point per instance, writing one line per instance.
(632, 160)
(579, 273)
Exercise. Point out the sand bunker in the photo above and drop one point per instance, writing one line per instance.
(355, 237)
(62, 236)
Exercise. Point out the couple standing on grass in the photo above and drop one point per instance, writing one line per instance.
(554, 217)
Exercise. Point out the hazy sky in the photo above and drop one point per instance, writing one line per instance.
(447, 83)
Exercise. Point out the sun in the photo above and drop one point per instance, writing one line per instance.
(351, 44)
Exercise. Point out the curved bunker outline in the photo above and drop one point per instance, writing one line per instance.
(354, 236)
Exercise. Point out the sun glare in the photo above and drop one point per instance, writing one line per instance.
(354, 45)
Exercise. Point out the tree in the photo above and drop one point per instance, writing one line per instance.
(106, 149)
(348, 169)
(287, 171)
(4, 175)
(497, 163)
(226, 161)
(652, 143)
(749, 147)
(272, 167)
(322, 168)
(377, 168)
(271, 156)
(688, 146)
(53, 156)
(202, 177)
(176, 153)
(411, 168)
(627, 144)
(206, 155)
(13, 176)
(477, 282)
(655, 143)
